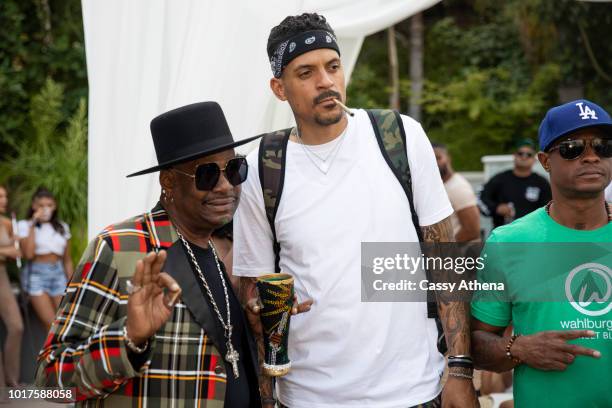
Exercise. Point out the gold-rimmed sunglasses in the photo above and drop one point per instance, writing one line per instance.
(207, 175)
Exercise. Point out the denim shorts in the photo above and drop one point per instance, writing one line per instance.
(38, 278)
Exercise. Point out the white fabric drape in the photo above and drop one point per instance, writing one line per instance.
(145, 57)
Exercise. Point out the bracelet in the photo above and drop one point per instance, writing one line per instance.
(469, 377)
(268, 400)
(460, 361)
(460, 356)
(460, 364)
(133, 347)
(509, 346)
(461, 370)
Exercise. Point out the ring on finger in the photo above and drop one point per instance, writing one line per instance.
(254, 305)
(131, 288)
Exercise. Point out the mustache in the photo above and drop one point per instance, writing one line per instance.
(325, 95)
(588, 170)
(220, 197)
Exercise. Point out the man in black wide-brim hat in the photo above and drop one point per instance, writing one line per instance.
(128, 334)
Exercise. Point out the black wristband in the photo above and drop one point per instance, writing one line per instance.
(460, 361)
(460, 364)
(268, 400)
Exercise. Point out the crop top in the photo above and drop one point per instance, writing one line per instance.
(46, 239)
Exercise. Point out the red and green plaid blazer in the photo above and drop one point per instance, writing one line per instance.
(85, 348)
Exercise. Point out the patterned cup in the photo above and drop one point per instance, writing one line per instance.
(276, 295)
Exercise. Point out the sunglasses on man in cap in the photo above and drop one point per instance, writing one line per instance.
(574, 148)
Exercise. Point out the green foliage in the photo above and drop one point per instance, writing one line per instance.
(451, 49)
(37, 42)
(486, 112)
(45, 114)
(43, 86)
(367, 89)
(54, 157)
(493, 69)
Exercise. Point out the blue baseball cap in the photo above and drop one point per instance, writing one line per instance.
(569, 117)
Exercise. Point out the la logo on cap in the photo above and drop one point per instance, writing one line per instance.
(586, 112)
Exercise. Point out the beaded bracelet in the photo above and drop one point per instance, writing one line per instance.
(509, 345)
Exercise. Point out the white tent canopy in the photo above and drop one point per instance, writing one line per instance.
(145, 57)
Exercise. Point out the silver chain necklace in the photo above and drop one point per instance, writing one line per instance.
(323, 167)
(331, 151)
(232, 355)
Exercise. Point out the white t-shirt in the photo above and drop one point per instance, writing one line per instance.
(46, 239)
(608, 193)
(346, 353)
(461, 196)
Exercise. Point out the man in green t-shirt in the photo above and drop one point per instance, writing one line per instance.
(556, 264)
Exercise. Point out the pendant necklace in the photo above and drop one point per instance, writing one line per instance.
(232, 355)
(323, 166)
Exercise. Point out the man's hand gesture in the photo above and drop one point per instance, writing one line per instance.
(153, 297)
(550, 350)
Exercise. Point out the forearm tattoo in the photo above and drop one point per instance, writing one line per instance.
(454, 315)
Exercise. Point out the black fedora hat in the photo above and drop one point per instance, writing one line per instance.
(189, 132)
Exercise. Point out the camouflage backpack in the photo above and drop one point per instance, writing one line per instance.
(391, 136)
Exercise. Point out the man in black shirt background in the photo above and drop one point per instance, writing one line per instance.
(514, 193)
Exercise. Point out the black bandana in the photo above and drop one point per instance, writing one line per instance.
(298, 45)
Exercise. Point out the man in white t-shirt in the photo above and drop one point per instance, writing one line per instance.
(466, 218)
(338, 191)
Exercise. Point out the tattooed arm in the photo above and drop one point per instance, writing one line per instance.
(247, 293)
(454, 315)
(458, 391)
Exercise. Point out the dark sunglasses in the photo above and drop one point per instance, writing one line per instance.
(207, 175)
(573, 149)
(524, 155)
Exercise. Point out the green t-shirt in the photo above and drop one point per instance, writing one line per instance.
(556, 278)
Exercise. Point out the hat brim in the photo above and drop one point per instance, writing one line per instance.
(193, 156)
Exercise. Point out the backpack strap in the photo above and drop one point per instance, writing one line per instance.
(391, 136)
(272, 156)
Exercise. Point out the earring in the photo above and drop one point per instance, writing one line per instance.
(165, 196)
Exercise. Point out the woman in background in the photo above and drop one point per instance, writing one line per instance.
(9, 310)
(45, 242)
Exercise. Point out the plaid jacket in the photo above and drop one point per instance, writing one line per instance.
(85, 348)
